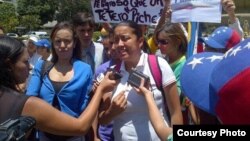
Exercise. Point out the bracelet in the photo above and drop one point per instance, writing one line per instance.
(170, 137)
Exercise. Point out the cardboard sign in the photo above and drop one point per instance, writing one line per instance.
(196, 11)
(140, 11)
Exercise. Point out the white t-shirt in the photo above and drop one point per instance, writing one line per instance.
(134, 123)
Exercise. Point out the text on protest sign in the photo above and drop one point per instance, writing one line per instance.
(140, 11)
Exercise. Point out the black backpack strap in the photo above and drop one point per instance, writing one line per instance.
(47, 65)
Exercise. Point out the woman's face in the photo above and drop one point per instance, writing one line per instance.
(126, 42)
(64, 43)
(22, 67)
(165, 44)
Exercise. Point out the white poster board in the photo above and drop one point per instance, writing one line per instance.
(196, 11)
(140, 11)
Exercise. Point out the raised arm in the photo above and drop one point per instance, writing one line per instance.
(229, 7)
(166, 15)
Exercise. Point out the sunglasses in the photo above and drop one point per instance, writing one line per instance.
(162, 42)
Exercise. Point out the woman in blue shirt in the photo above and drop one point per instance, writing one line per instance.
(67, 83)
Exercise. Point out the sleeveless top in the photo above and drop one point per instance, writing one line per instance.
(11, 103)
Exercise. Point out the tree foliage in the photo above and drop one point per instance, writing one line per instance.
(49, 10)
(67, 8)
(44, 10)
(30, 22)
(8, 17)
(34, 13)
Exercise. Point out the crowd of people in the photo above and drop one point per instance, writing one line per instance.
(68, 83)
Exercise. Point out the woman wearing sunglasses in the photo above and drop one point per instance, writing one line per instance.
(172, 42)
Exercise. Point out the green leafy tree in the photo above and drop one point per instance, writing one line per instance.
(67, 8)
(8, 18)
(30, 21)
(40, 11)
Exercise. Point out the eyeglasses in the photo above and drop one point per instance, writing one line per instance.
(162, 42)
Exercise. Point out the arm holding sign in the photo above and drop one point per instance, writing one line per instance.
(165, 16)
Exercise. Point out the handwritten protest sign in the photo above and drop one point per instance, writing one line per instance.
(196, 11)
(141, 11)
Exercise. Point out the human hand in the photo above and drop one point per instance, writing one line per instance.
(167, 9)
(119, 103)
(143, 89)
(107, 84)
(95, 85)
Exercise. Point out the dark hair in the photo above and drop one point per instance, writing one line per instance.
(83, 18)
(176, 34)
(76, 51)
(136, 28)
(10, 51)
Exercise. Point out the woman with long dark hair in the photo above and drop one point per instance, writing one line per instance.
(14, 71)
